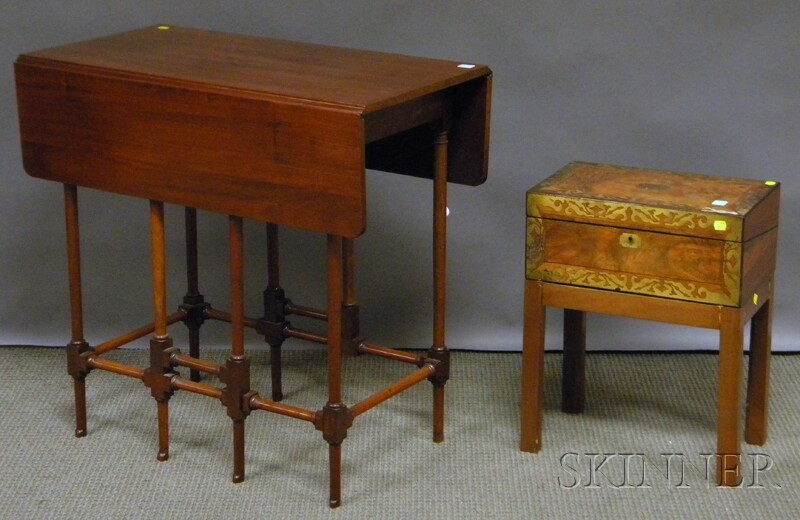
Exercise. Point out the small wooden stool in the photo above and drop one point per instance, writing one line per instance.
(653, 245)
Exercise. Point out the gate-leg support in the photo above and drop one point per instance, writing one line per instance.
(350, 315)
(439, 350)
(236, 372)
(274, 321)
(76, 364)
(335, 418)
(158, 376)
(194, 305)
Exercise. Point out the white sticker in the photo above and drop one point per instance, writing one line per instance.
(466, 66)
(721, 203)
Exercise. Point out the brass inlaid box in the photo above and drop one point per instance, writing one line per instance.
(673, 235)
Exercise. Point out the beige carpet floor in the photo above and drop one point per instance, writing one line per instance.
(660, 409)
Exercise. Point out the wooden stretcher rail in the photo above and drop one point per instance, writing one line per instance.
(214, 314)
(179, 383)
(135, 334)
(308, 312)
(420, 375)
(290, 332)
(117, 368)
(389, 353)
(281, 409)
(196, 364)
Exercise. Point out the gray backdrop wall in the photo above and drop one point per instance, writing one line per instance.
(702, 86)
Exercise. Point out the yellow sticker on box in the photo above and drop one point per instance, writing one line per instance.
(720, 225)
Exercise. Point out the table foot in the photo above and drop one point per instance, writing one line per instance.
(334, 420)
(80, 407)
(335, 463)
(158, 378)
(238, 451)
(439, 378)
(163, 431)
(78, 368)
(438, 414)
(235, 374)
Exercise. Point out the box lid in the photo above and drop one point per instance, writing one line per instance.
(669, 202)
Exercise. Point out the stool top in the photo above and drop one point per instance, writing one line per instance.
(670, 202)
(255, 127)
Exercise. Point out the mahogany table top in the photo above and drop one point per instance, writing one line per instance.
(266, 129)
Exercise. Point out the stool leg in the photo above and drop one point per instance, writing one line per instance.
(439, 349)
(76, 365)
(532, 397)
(274, 291)
(573, 380)
(730, 382)
(193, 301)
(758, 375)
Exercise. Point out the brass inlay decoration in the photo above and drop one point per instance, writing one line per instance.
(534, 244)
(731, 270)
(628, 215)
(632, 283)
(725, 292)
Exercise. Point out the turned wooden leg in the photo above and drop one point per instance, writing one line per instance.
(274, 290)
(163, 430)
(236, 374)
(336, 418)
(532, 398)
(76, 365)
(238, 451)
(439, 349)
(276, 372)
(758, 375)
(193, 301)
(194, 351)
(335, 473)
(573, 379)
(730, 382)
(158, 376)
(350, 314)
